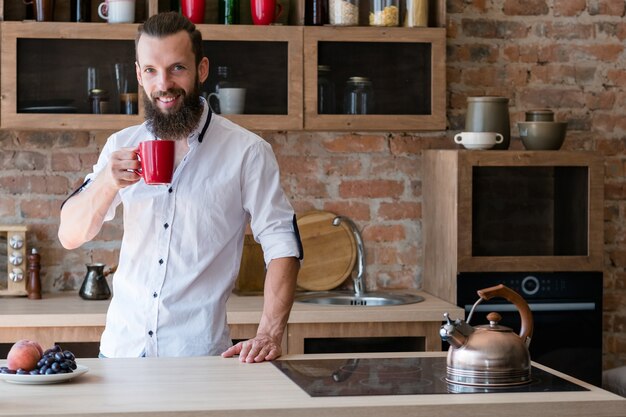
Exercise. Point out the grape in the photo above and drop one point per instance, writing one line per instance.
(53, 361)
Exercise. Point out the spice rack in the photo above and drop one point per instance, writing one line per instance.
(279, 64)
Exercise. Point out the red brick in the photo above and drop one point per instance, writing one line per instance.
(106, 256)
(37, 209)
(606, 7)
(357, 143)
(570, 31)
(606, 52)
(552, 98)
(393, 233)
(371, 189)
(302, 206)
(614, 192)
(357, 211)
(603, 100)
(613, 168)
(66, 162)
(341, 166)
(299, 165)
(569, 7)
(479, 28)
(7, 207)
(400, 211)
(405, 144)
(392, 167)
(525, 8)
(616, 77)
(311, 187)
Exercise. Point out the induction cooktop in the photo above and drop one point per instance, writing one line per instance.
(397, 376)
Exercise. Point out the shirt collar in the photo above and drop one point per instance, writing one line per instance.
(198, 134)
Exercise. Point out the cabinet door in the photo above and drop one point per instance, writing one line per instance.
(44, 74)
(267, 62)
(406, 68)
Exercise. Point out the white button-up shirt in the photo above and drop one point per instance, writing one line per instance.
(182, 242)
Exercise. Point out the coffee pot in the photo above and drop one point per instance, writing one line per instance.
(489, 355)
(95, 286)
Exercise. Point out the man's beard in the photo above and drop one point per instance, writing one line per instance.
(180, 123)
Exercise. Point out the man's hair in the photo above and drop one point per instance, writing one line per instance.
(170, 23)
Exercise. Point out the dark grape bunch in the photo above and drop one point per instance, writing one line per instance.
(53, 361)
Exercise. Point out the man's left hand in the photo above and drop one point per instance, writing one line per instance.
(261, 348)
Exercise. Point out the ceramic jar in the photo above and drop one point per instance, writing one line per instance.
(489, 114)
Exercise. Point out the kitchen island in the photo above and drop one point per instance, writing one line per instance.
(65, 317)
(214, 386)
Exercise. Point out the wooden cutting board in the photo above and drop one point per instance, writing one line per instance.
(329, 251)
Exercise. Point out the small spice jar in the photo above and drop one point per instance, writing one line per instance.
(384, 13)
(343, 12)
(99, 100)
(358, 96)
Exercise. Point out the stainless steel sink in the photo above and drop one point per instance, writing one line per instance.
(350, 299)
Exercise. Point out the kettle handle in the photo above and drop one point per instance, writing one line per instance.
(526, 330)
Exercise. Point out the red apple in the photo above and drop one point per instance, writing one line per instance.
(24, 354)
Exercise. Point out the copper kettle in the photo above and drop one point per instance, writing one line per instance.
(489, 355)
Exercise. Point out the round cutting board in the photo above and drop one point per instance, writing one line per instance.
(329, 251)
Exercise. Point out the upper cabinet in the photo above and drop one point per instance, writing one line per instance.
(290, 77)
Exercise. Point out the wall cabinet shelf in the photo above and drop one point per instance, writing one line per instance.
(510, 211)
(44, 73)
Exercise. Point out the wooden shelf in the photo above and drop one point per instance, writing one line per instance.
(474, 202)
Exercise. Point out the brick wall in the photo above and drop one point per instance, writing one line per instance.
(567, 55)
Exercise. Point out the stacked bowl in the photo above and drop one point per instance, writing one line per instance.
(540, 132)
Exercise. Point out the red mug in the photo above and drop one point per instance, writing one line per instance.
(264, 11)
(193, 10)
(157, 161)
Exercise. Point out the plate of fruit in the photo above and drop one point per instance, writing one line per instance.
(28, 363)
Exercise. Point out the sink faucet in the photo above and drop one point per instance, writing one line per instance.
(359, 281)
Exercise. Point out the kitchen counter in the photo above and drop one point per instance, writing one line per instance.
(65, 317)
(214, 386)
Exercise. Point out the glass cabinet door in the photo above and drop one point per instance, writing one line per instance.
(374, 79)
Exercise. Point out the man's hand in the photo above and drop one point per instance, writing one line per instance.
(121, 169)
(261, 348)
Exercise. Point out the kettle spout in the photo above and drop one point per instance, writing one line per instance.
(455, 333)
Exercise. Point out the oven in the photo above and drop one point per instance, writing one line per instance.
(567, 313)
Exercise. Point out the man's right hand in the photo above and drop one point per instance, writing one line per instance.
(121, 171)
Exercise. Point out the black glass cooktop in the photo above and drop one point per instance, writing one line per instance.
(397, 376)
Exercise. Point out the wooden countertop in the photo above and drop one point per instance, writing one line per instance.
(214, 386)
(68, 309)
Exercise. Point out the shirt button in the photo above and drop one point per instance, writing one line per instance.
(150, 333)
(154, 294)
(166, 225)
(170, 190)
(160, 261)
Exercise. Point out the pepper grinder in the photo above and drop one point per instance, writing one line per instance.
(33, 286)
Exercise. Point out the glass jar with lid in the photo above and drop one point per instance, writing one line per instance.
(325, 91)
(358, 96)
(384, 13)
(343, 12)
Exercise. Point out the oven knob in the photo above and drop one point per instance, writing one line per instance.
(16, 241)
(16, 258)
(530, 285)
(16, 275)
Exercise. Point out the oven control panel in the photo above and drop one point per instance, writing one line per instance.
(530, 285)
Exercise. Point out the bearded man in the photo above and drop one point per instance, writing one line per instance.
(182, 242)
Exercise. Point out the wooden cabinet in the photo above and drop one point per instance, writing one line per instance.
(499, 211)
(406, 68)
(44, 66)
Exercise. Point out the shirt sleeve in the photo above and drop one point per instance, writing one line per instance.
(103, 160)
(272, 217)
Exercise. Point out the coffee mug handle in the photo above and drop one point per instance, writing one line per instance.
(208, 100)
(280, 10)
(103, 11)
(499, 138)
(138, 171)
(458, 138)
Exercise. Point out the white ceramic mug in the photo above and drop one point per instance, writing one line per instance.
(232, 100)
(117, 11)
(478, 140)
